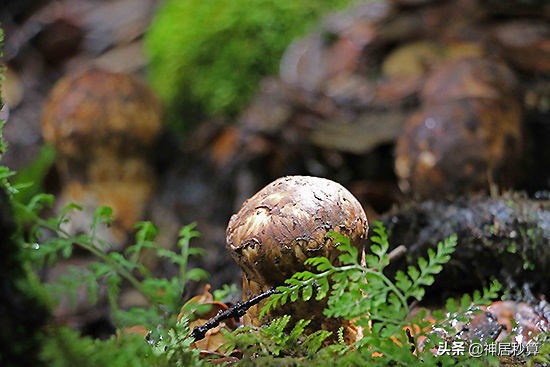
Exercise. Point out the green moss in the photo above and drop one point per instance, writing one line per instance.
(207, 56)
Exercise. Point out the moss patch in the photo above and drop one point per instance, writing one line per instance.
(207, 56)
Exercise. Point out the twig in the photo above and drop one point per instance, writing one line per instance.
(236, 311)
(397, 253)
(411, 340)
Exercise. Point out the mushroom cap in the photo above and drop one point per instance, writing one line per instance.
(100, 110)
(286, 222)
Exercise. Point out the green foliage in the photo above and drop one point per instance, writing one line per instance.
(382, 306)
(44, 241)
(169, 341)
(259, 346)
(63, 347)
(112, 268)
(542, 358)
(207, 56)
(5, 174)
(22, 314)
(386, 298)
(228, 292)
(29, 179)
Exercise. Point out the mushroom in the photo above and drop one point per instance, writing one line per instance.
(284, 224)
(103, 126)
(468, 135)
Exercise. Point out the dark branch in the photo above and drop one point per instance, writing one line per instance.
(236, 311)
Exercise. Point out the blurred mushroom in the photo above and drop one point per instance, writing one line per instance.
(284, 224)
(103, 126)
(467, 137)
(459, 147)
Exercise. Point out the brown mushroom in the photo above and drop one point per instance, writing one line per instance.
(460, 147)
(284, 224)
(468, 135)
(103, 126)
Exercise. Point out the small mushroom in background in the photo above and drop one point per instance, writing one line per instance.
(280, 227)
(104, 126)
(468, 135)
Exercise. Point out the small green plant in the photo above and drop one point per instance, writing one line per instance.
(274, 340)
(45, 242)
(542, 358)
(387, 300)
(208, 56)
(112, 268)
(65, 348)
(379, 305)
(28, 179)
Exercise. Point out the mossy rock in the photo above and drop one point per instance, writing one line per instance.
(208, 56)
